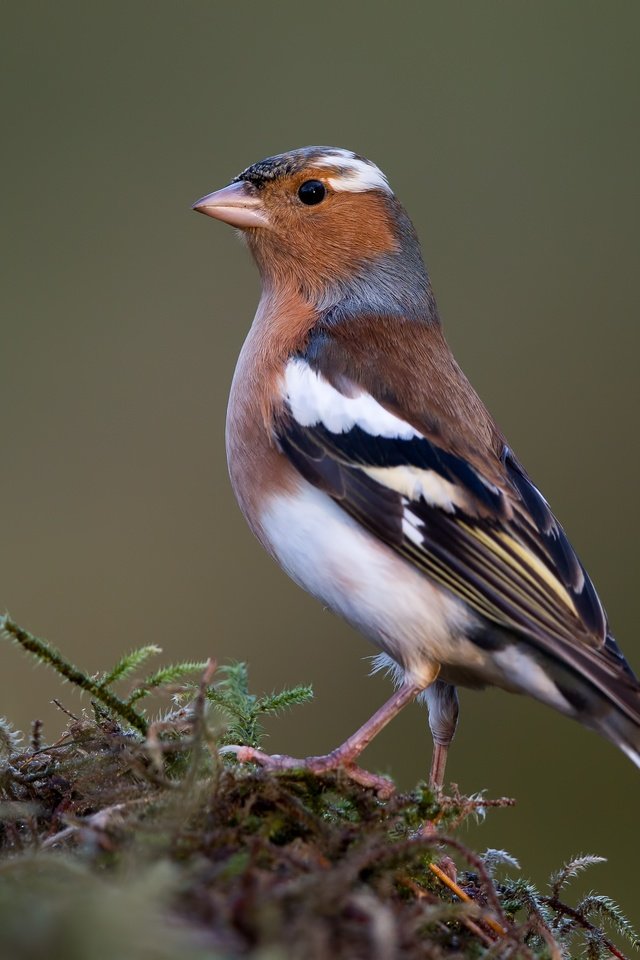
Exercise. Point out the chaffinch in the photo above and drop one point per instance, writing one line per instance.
(369, 468)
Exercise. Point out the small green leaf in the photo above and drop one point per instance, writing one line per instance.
(597, 903)
(46, 653)
(9, 738)
(276, 702)
(520, 894)
(571, 869)
(494, 858)
(129, 664)
(174, 673)
(243, 710)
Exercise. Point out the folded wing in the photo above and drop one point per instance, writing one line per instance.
(487, 536)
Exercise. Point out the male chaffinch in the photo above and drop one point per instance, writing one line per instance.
(369, 468)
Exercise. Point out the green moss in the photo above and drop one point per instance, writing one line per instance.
(138, 840)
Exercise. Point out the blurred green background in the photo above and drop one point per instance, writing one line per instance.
(510, 131)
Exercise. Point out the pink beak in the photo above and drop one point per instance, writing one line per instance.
(235, 204)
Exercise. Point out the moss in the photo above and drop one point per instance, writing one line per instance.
(137, 839)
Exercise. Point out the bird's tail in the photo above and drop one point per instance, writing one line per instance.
(625, 737)
(620, 728)
(604, 694)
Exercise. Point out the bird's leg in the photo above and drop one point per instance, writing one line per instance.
(344, 755)
(347, 752)
(442, 701)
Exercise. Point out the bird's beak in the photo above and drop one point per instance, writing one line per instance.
(235, 204)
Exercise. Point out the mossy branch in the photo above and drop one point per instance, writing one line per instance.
(274, 703)
(329, 857)
(129, 663)
(599, 905)
(46, 653)
(242, 710)
(166, 676)
(9, 738)
(570, 870)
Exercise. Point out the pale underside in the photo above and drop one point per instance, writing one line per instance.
(417, 624)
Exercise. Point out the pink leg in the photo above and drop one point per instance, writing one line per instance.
(344, 755)
(442, 701)
(438, 766)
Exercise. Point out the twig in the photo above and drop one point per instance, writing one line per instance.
(478, 865)
(462, 895)
(470, 924)
(98, 821)
(68, 713)
(200, 732)
(568, 911)
(36, 735)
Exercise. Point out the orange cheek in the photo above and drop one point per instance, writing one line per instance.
(363, 223)
(325, 244)
(354, 226)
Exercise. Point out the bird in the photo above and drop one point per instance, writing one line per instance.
(369, 468)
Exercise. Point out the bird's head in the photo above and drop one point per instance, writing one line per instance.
(326, 221)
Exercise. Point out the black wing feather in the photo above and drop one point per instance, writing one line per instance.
(504, 553)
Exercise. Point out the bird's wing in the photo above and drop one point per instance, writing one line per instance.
(488, 536)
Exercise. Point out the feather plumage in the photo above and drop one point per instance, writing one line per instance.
(486, 535)
(368, 466)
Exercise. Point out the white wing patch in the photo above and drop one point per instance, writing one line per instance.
(416, 482)
(355, 173)
(410, 527)
(313, 400)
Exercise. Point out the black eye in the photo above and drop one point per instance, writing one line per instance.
(312, 192)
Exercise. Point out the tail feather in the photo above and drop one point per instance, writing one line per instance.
(631, 752)
(603, 695)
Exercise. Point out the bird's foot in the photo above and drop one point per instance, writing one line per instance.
(335, 761)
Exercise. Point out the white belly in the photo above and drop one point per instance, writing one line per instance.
(336, 560)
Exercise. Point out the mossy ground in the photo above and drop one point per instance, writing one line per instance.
(138, 840)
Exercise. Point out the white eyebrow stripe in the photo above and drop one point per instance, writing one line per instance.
(353, 174)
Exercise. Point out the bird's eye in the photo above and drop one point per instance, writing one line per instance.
(312, 192)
